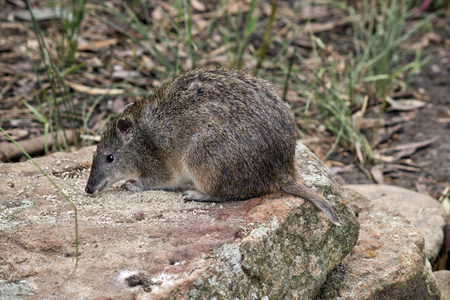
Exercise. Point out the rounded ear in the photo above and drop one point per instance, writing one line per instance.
(128, 106)
(125, 129)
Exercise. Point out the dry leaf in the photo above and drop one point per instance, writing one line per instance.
(342, 169)
(95, 138)
(41, 14)
(92, 46)
(404, 104)
(16, 133)
(238, 6)
(377, 173)
(383, 158)
(402, 167)
(320, 27)
(364, 123)
(403, 150)
(197, 5)
(157, 14)
(408, 146)
(433, 37)
(94, 91)
(444, 120)
(402, 117)
(148, 63)
(123, 74)
(385, 134)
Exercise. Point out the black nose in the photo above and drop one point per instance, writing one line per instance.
(88, 190)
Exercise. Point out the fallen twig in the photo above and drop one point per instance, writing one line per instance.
(33, 146)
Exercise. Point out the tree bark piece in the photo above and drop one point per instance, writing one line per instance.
(33, 146)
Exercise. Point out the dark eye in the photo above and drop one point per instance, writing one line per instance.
(110, 158)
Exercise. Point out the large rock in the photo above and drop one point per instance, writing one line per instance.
(388, 261)
(152, 245)
(443, 279)
(425, 212)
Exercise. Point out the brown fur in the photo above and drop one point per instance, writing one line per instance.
(221, 129)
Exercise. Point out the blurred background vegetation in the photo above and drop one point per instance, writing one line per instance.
(67, 67)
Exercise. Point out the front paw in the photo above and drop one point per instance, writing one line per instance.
(132, 186)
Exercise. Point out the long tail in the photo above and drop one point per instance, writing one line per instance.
(297, 189)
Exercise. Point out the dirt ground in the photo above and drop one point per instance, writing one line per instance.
(433, 161)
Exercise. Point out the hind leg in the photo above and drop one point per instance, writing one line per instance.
(224, 167)
(207, 181)
(210, 166)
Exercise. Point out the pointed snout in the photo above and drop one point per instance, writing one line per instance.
(92, 188)
(89, 189)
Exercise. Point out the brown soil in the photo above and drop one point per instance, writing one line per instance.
(433, 161)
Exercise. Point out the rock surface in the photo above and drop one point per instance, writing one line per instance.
(388, 261)
(425, 212)
(152, 245)
(443, 279)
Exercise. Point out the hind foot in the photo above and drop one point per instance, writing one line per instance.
(194, 195)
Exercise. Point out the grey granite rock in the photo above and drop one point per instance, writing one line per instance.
(425, 212)
(388, 261)
(443, 279)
